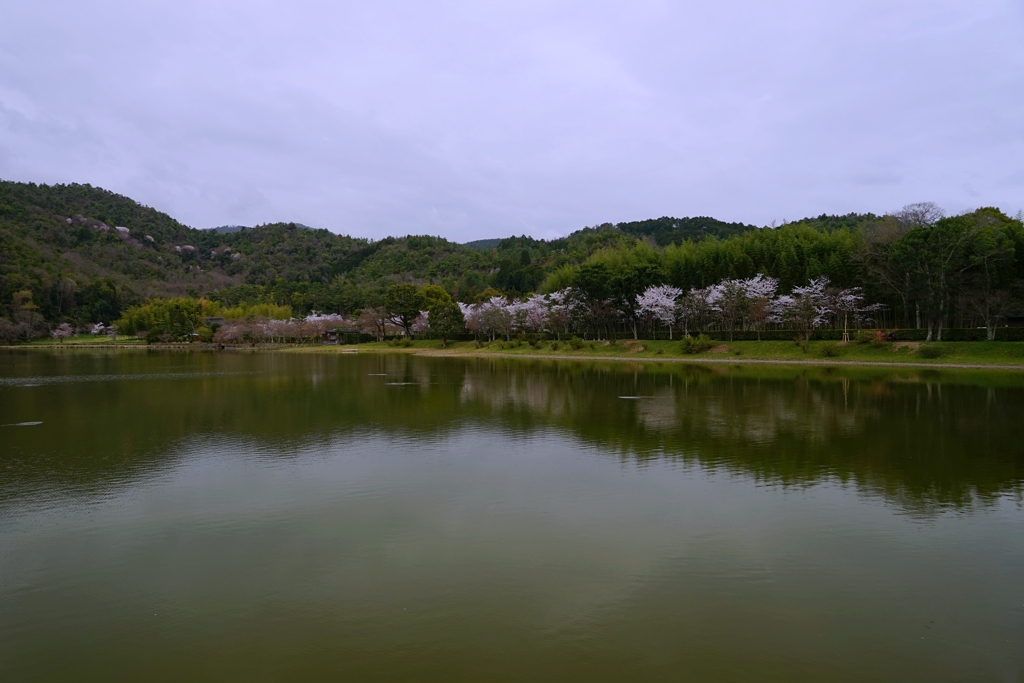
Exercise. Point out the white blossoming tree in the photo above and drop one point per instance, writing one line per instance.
(761, 293)
(847, 304)
(534, 313)
(702, 306)
(559, 315)
(421, 323)
(807, 307)
(61, 332)
(660, 303)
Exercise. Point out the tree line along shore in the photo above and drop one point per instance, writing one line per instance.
(79, 259)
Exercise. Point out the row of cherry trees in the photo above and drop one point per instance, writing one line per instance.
(731, 305)
(752, 304)
(259, 330)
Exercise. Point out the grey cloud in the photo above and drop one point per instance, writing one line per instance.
(485, 119)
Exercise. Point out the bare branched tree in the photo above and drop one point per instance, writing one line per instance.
(920, 214)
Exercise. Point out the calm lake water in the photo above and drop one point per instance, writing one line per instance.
(278, 517)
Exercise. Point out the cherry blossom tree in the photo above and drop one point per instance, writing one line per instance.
(807, 307)
(280, 330)
(847, 303)
(684, 312)
(373, 320)
(477, 321)
(233, 332)
(702, 305)
(470, 315)
(421, 323)
(489, 318)
(559, 315)
(660, 303)
(316, 325)
(761, 286)
(732, 303)
(531, 314)
(61, 332)
(496, 316)
(761, 293)
(517, 310)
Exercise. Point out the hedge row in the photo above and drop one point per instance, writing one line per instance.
(948, 334)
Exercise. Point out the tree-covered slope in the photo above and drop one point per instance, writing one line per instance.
(76, 249)
(666, 230)
(81, 254)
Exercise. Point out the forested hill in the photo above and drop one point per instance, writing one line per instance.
(661, 231)
(80, 253)
(63, 255)
(665, 231)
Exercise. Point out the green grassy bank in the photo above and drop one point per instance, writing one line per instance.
(89, 340)
(938, 354)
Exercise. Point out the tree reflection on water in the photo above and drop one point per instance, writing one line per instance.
(922, 440)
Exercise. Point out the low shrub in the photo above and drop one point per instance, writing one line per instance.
(576, 343)
(865, 337)
(158, 337)
(554, 346)
(698, 344)
(399, 342)
(831, 350)
(931, 351)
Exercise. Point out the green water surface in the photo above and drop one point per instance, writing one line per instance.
(280, 517)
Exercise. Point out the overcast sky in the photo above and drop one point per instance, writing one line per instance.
(484, 119)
